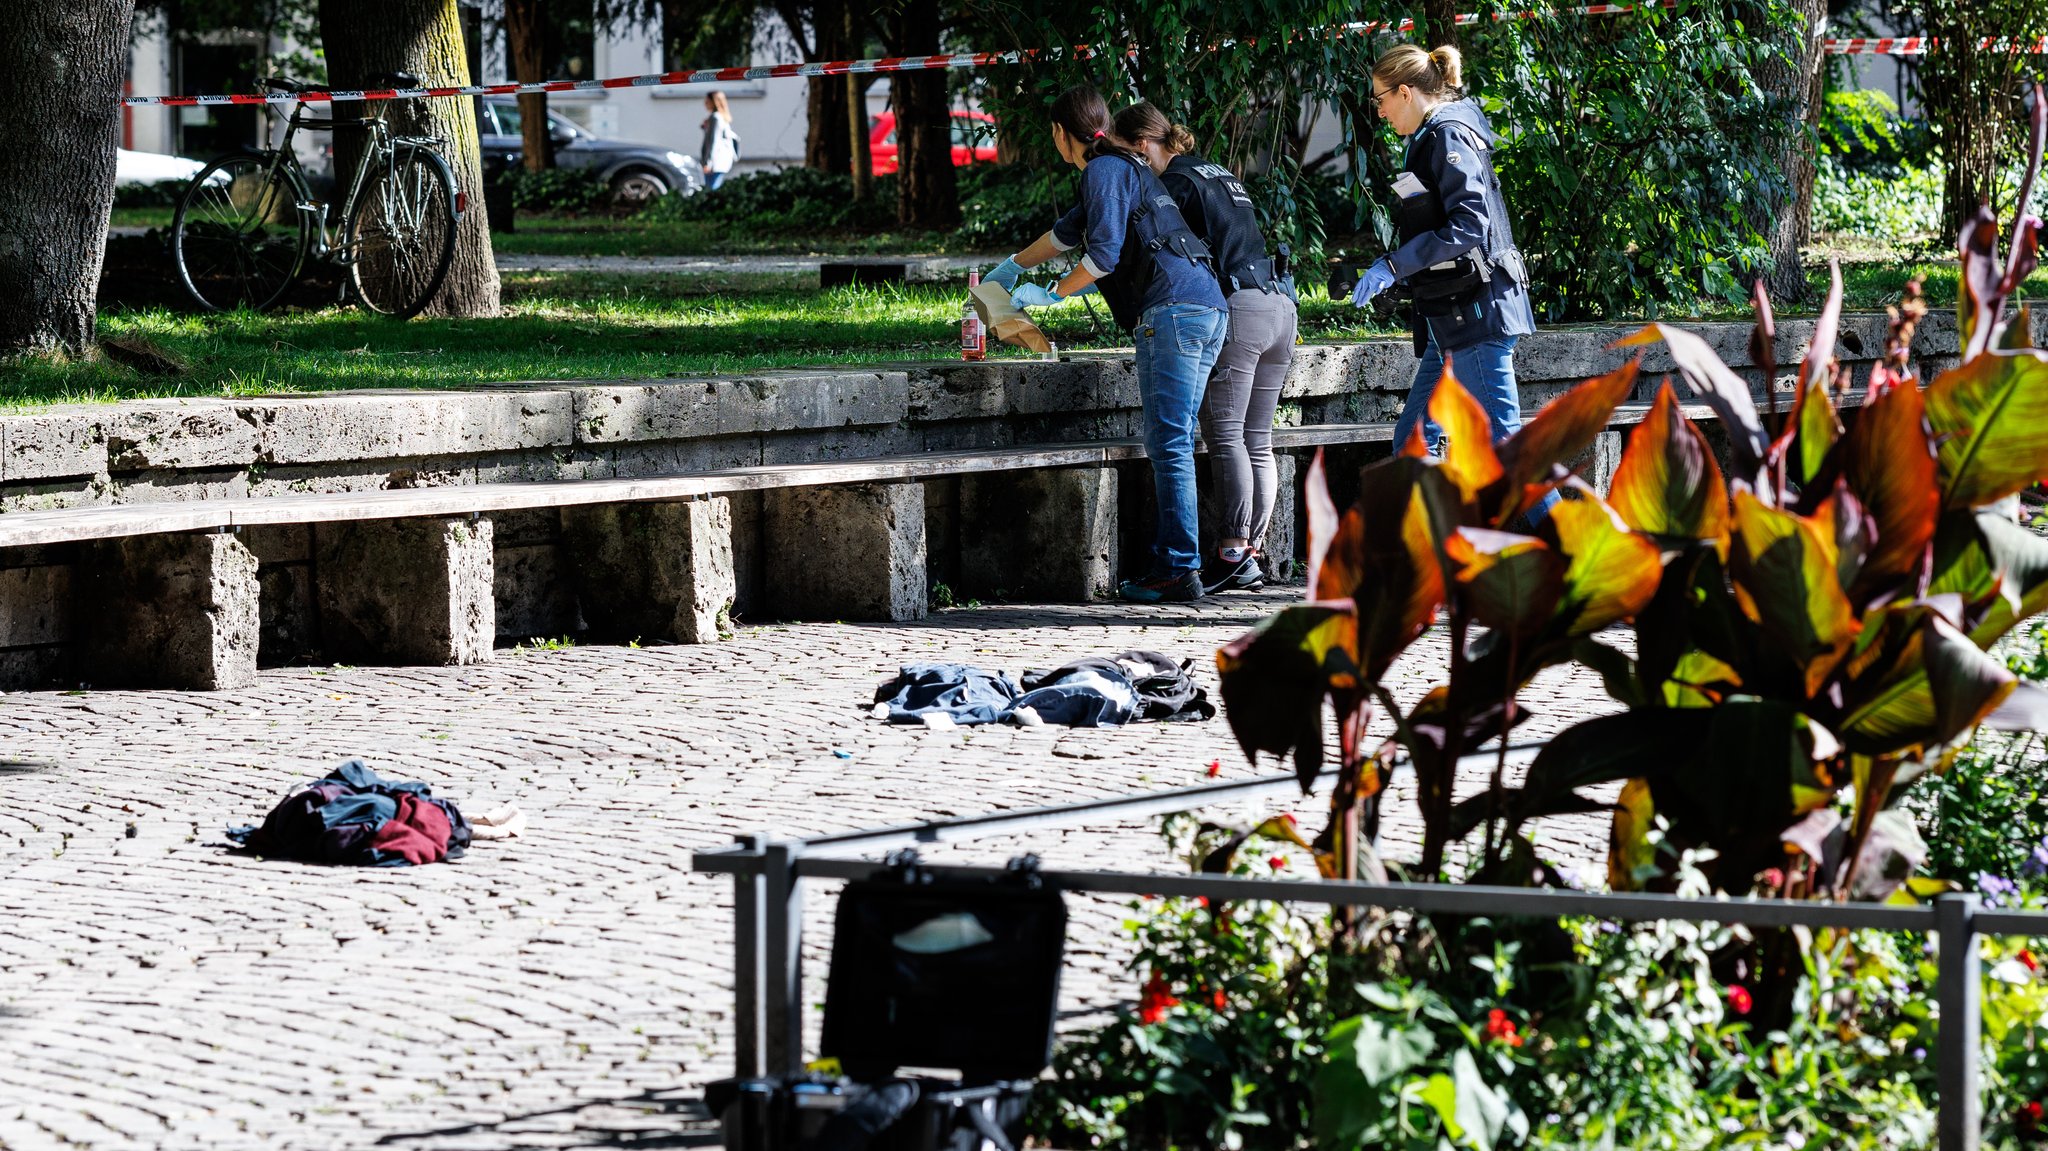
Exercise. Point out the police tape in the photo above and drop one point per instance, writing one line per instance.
(1889, 46)
(1921, 45)
(780, 71)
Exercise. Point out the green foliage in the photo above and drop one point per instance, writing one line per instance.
(1636, 154)
(1863, 203)
(1811, 626)
(1004, 205)
(162, 194)
(1415, 1035)
(1861, 131)
(786, 200)
(556, 189)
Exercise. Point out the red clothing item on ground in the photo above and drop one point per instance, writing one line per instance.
(419, 831)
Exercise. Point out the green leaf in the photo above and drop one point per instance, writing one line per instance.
(1716, 384)
(1274, 680)
(1668, 483)
(1511, 582)
(1818, 429)
(1785, 579)
(1993, 563)
(1482, 1112)
(1613, 571)
(1990, 418)
(1441, 1094)
(1384, 1052)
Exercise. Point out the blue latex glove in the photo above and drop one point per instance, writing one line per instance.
(1005, 273)
(1376, 279)
(1034, 296)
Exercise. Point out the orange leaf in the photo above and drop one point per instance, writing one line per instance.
(1565, 427)
(1668, 483)
(1469, 458)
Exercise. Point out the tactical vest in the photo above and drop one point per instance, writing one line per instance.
(1229, 225)
(1460, 279)
(1155, 224)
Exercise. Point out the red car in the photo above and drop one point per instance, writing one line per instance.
(974, 140)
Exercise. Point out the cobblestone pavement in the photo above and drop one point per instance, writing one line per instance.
(570, 988)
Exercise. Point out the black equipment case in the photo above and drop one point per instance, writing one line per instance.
(926, 974)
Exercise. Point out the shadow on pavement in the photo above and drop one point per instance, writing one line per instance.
(655, 1119)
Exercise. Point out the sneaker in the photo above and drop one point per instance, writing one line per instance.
(1181, 587)
(1219, 574)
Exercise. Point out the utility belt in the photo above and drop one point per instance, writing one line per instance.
(1463, 278)
(1266, 274)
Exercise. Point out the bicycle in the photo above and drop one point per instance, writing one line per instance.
(247, 223)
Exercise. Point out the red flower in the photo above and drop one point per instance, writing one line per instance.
(1155, 1000)
(2029, 1117)
(1774, 878)
(1277, 862)
(1739, 999)
(2027, 957)
(1502, 1029)
(1203, 900)
(1221, 1002)
(1215, 768)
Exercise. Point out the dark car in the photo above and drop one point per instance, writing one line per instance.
(636, 173)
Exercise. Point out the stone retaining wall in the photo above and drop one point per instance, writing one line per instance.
(232, 448)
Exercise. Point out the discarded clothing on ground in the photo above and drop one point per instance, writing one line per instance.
(355, 816)
(1098, 691)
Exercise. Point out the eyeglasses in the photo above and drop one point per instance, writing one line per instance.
(1379, 99)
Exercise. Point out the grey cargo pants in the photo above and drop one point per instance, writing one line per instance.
(1237, 411)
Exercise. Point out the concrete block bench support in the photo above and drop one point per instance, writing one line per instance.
(852, 552)
(1049, 534)
(653, 571)
(169, 611)
(406, 591)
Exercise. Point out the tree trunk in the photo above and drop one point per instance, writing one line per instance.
(366, 37)
(1799, 80)
(927, 192)
(826, 146)
(61, 68)
(862, 160)
(1440, 22)
(526, 40)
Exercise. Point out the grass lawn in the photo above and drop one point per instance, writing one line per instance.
(562, 326)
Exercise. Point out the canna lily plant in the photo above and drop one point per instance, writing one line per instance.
(1810, 621)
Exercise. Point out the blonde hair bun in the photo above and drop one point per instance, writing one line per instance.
(1179, 140)
(1450, 64)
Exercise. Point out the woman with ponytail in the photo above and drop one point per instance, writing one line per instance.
(1154, 273)
(1457, 253)
(1244, 388)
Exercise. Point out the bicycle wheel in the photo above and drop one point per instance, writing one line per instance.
(238, 238)
(402, 234)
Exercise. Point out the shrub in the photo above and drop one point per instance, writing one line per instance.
(1861, 131)
(1011, 203)
(1859, 202)
(556, 189)
(161, 194)
(786, 201)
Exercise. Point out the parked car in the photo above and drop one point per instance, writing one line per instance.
(152, 168)
(636, 173)
(974, 140)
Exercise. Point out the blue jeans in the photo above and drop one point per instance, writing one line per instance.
(1177, 346)
(1487, 370)
(712, 180)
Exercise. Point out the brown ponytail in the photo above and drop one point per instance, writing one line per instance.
(1083, 113)
(1143, 121)
(1438, 74)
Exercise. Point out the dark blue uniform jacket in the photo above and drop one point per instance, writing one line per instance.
(1452, 155)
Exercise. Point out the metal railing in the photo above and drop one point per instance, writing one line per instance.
(769, 878)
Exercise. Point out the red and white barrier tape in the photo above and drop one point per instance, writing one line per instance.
(765, 71)
(1891, 46)
(1921, 45)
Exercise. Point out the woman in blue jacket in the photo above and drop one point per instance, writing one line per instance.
(1154, 273)
(1457, 251)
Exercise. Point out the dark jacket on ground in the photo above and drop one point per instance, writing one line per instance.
(1452, 155)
